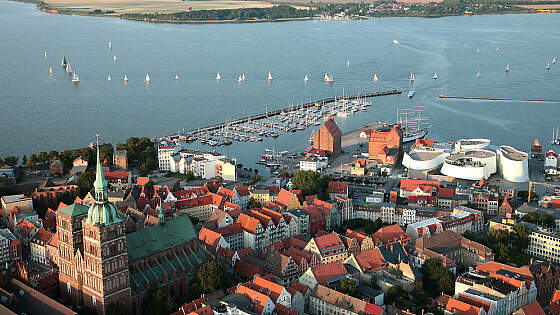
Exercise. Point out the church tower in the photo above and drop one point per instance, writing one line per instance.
(105, 277)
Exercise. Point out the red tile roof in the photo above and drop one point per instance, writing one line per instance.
(411, 184)
(390, 234)
(455, 306)
(533, 308)
(355, 235)
(283, 197)
(42, 237)
(242, 191)
(372, 309)
(232, 229)
(141, 181)
(209, 237)
(225, 252)
(226, 193)
(446, 192)
(328, 271)
(244, 269)
(283, 310)
(370, 260)
(299, 287)
(248, 223)
(473, 301)
(116, 175)
(338, 187)
(328, 241)
(257, 297)
(493, 267)
(274, 290)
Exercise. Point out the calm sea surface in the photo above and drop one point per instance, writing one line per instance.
(40, 113)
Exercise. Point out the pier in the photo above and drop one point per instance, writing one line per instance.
(284, 111)
(497, 99)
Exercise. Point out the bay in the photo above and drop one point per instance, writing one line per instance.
(41, 113)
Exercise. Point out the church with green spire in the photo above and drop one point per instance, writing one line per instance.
(101, 265)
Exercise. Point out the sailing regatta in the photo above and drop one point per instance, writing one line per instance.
(50, 71)
(548, 66)
(45, 54)
(553, 60)
(110, 45)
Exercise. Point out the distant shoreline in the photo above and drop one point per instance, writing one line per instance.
(45, 7)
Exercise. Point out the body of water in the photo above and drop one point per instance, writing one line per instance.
(41, 113)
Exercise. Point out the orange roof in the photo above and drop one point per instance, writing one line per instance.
(274, 215)
(370, 260)
(263, 219)
(61, 205)
(42, 237)
(492, 267)
(455, 306)
(248, 223)
(299, 287)
(257, 297)
(244, 269)
(54, 240)
(141, 181)
(356, 235)
(209, 237)
(283, 197)
(554, 306)
(226, 193)
(411, 184)
(390, 234)
(328, 241)
(274, 289)
(26, 226)
(473, 301)
(361, 162)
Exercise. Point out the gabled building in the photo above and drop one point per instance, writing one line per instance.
(327, 301)
(389, 235)
(328, 248)
(327, 274)
(365, 242)
(328, 137)
(337, 189)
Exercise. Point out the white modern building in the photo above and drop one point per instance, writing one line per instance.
(165, 153)
(513, 164)
(471, 144)
(474, 164)
(313, 163)
(424, 160)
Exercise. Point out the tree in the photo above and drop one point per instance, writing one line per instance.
(253, 204)
(149, 186)
(158, 303)
(32, 161)
(306, 181)
(23, 160)
(85, 182)
(118, 308)
(43, 157)
(437, 278)
(348, 286)
(4, 190)
(212, 276)
(11, 160)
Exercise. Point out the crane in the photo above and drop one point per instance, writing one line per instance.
(531, 183)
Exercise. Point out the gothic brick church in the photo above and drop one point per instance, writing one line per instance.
(99, 264)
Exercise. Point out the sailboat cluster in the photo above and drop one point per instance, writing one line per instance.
(292, 119)
(73, 74)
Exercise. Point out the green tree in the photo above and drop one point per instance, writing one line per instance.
(158, 303)
(118, 308)
(253, 204)
(437, 278)
(53, 155)
(212, 276)
(43, 157)
(11, 160)
(32, 161)
(4, 190)
(373, 282)
(85, 182)
(306, 181)
(348, 286)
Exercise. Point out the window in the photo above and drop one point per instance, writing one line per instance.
(68, 287)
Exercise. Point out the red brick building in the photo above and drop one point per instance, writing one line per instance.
(385, 144)
(328, 137)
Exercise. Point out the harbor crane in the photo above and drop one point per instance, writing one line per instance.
(531, 183)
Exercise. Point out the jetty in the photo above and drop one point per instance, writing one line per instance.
(498, 99)
(270, 123)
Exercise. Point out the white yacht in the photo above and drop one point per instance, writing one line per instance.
(147, 79)
(435, 76)
(411, 94)
(218, 76)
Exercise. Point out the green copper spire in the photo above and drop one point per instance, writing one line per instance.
(161, 217)
(101, 211)
(100, 183)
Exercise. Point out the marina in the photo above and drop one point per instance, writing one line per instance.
(294, 118)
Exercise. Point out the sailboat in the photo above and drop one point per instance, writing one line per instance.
(269, 78)
(243, 76)
(240, 79)
(375, 78)
(147, 78)
(114, 58)
(411, 78)
(176, 77)
(548, 66)
(110, 45)
(306, 78)
(554, 60)
(478, 74)
(218, 76)
(507, 68)
(326, 78)
(50, 71)
(68, 70)
(435, 76)
(348, 63)
(477, 50)
(330, 80)
(109, 77)
(125, 78)
(45, 54)
(64, 63)
(497, 49)
(75, 78)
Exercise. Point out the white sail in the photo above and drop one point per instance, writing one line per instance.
(125, 78)
(240, 79)
(348, 63)
(218, 76)
(147, 78)
(110, 45)
(411, 77)
(306, 78)
(114, 58)
(554, 60)
(497, 49)
(507, 68)
(45, 54)
(331, 78)
(478, 74)
(109, 78)
(477, 50)
(326, 77)
(548, 66)
(435, 75)
(270, 78)
(50, 71)
(176, 77)
(243, 76)
(395, 41)
(375, 78)
(75, 77)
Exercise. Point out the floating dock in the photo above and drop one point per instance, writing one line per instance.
(274, 113)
